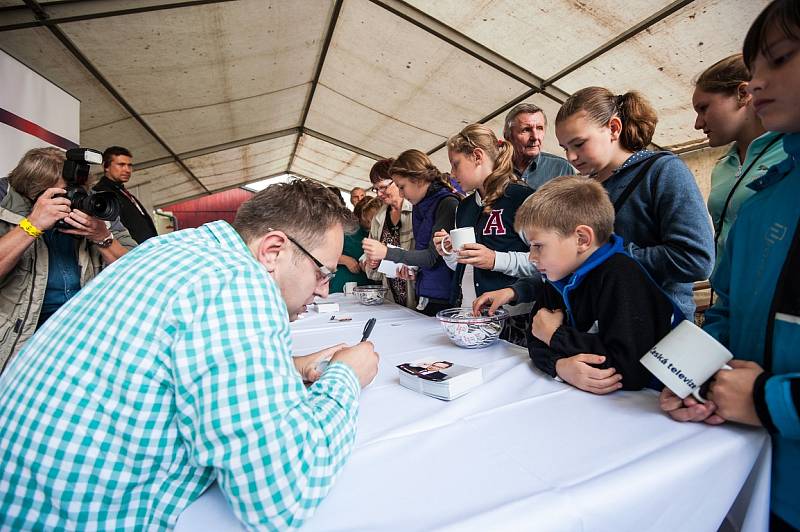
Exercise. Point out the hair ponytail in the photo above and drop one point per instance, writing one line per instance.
(638, 117)
(500, 152)
(417, 166)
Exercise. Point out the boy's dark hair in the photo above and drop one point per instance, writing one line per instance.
(113, 151)
(564, 203)
(783, 13)
(303, 209)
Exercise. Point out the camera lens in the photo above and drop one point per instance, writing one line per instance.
(102, 205)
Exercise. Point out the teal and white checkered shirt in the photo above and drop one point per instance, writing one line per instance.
(170, 370)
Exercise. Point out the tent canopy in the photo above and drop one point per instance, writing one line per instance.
(213, 94)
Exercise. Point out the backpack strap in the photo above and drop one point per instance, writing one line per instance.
(644, 166)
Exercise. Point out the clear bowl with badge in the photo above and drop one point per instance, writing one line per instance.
(371, 294)
(465, 329)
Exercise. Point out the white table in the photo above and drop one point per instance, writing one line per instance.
(521, 452)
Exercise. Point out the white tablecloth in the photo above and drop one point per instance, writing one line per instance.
(521, 452)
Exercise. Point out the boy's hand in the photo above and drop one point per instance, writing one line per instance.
(545, 323)
(688, 409)
(478, 255)
(495, 299)
(732, 391)
(577, 371)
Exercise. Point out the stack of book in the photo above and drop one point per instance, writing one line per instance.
(439, 378)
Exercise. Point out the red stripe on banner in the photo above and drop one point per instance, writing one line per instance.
(26, 126)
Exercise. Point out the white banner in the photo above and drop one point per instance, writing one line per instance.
(33, 113)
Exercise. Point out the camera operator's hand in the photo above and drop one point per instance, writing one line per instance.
(89, 227)
(48, 210)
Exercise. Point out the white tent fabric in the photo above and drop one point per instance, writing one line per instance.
(213, 94)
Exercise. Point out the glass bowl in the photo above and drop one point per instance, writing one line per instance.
(472, 332)
(371, 294)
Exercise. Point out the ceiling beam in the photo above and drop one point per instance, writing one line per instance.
(634, 30)
(342, 144)
(473, 48)
(219, 147)
(53, 8)
(337, 9)
(67, 42)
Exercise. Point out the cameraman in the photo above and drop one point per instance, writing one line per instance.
(41, 267)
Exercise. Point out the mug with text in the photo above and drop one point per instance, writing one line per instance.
(686, 358)
(458, 237)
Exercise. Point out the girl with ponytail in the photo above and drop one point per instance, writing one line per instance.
(725, 113)
(434, 203)
(483, 166)
(660, 213)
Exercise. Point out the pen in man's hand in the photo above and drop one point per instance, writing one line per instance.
(368, 329)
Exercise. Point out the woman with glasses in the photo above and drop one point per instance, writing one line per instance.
(435, 201)
(391, 226)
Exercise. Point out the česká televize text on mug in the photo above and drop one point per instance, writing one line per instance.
(685, 359)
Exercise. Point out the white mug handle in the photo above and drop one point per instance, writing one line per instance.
(441, 245)
(696, 393)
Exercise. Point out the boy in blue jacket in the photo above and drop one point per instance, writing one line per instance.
(757, 315)
(599, 310)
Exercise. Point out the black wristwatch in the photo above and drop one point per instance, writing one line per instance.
(106, 242)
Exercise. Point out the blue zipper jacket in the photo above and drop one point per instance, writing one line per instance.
(612, 307)
(755, 268)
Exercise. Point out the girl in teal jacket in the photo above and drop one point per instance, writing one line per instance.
(757, 315)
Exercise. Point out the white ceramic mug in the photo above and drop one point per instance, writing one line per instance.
(348, 288)
(458, 237)
(686, 358)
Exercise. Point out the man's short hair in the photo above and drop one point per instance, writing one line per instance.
(564, 203)
(113, 151)
(352, 190)
(521, 108)
(302, 208)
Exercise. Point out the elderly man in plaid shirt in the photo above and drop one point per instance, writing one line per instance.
(174, 368)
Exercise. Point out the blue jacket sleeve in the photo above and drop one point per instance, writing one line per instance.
(686, 251)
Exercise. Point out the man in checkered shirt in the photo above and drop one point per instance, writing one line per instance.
(174, 368)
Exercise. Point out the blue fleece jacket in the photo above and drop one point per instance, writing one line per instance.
(665, 224)
(748, 317)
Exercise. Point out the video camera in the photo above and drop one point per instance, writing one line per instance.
(103, 205)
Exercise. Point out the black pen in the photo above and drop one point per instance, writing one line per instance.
(368, 329)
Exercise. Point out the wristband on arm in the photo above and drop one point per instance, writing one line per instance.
(29, 228)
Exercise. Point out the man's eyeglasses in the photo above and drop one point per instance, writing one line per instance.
(382, 188)
(325, 273)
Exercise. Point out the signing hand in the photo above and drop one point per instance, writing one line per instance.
(373, 249)
(494, 299)
(478, 255)
(89, 227)
(307, 365)
(48, 210)
(577, 371)
(688, 409)
(545, 323)
(363, 360)
(732, 391)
